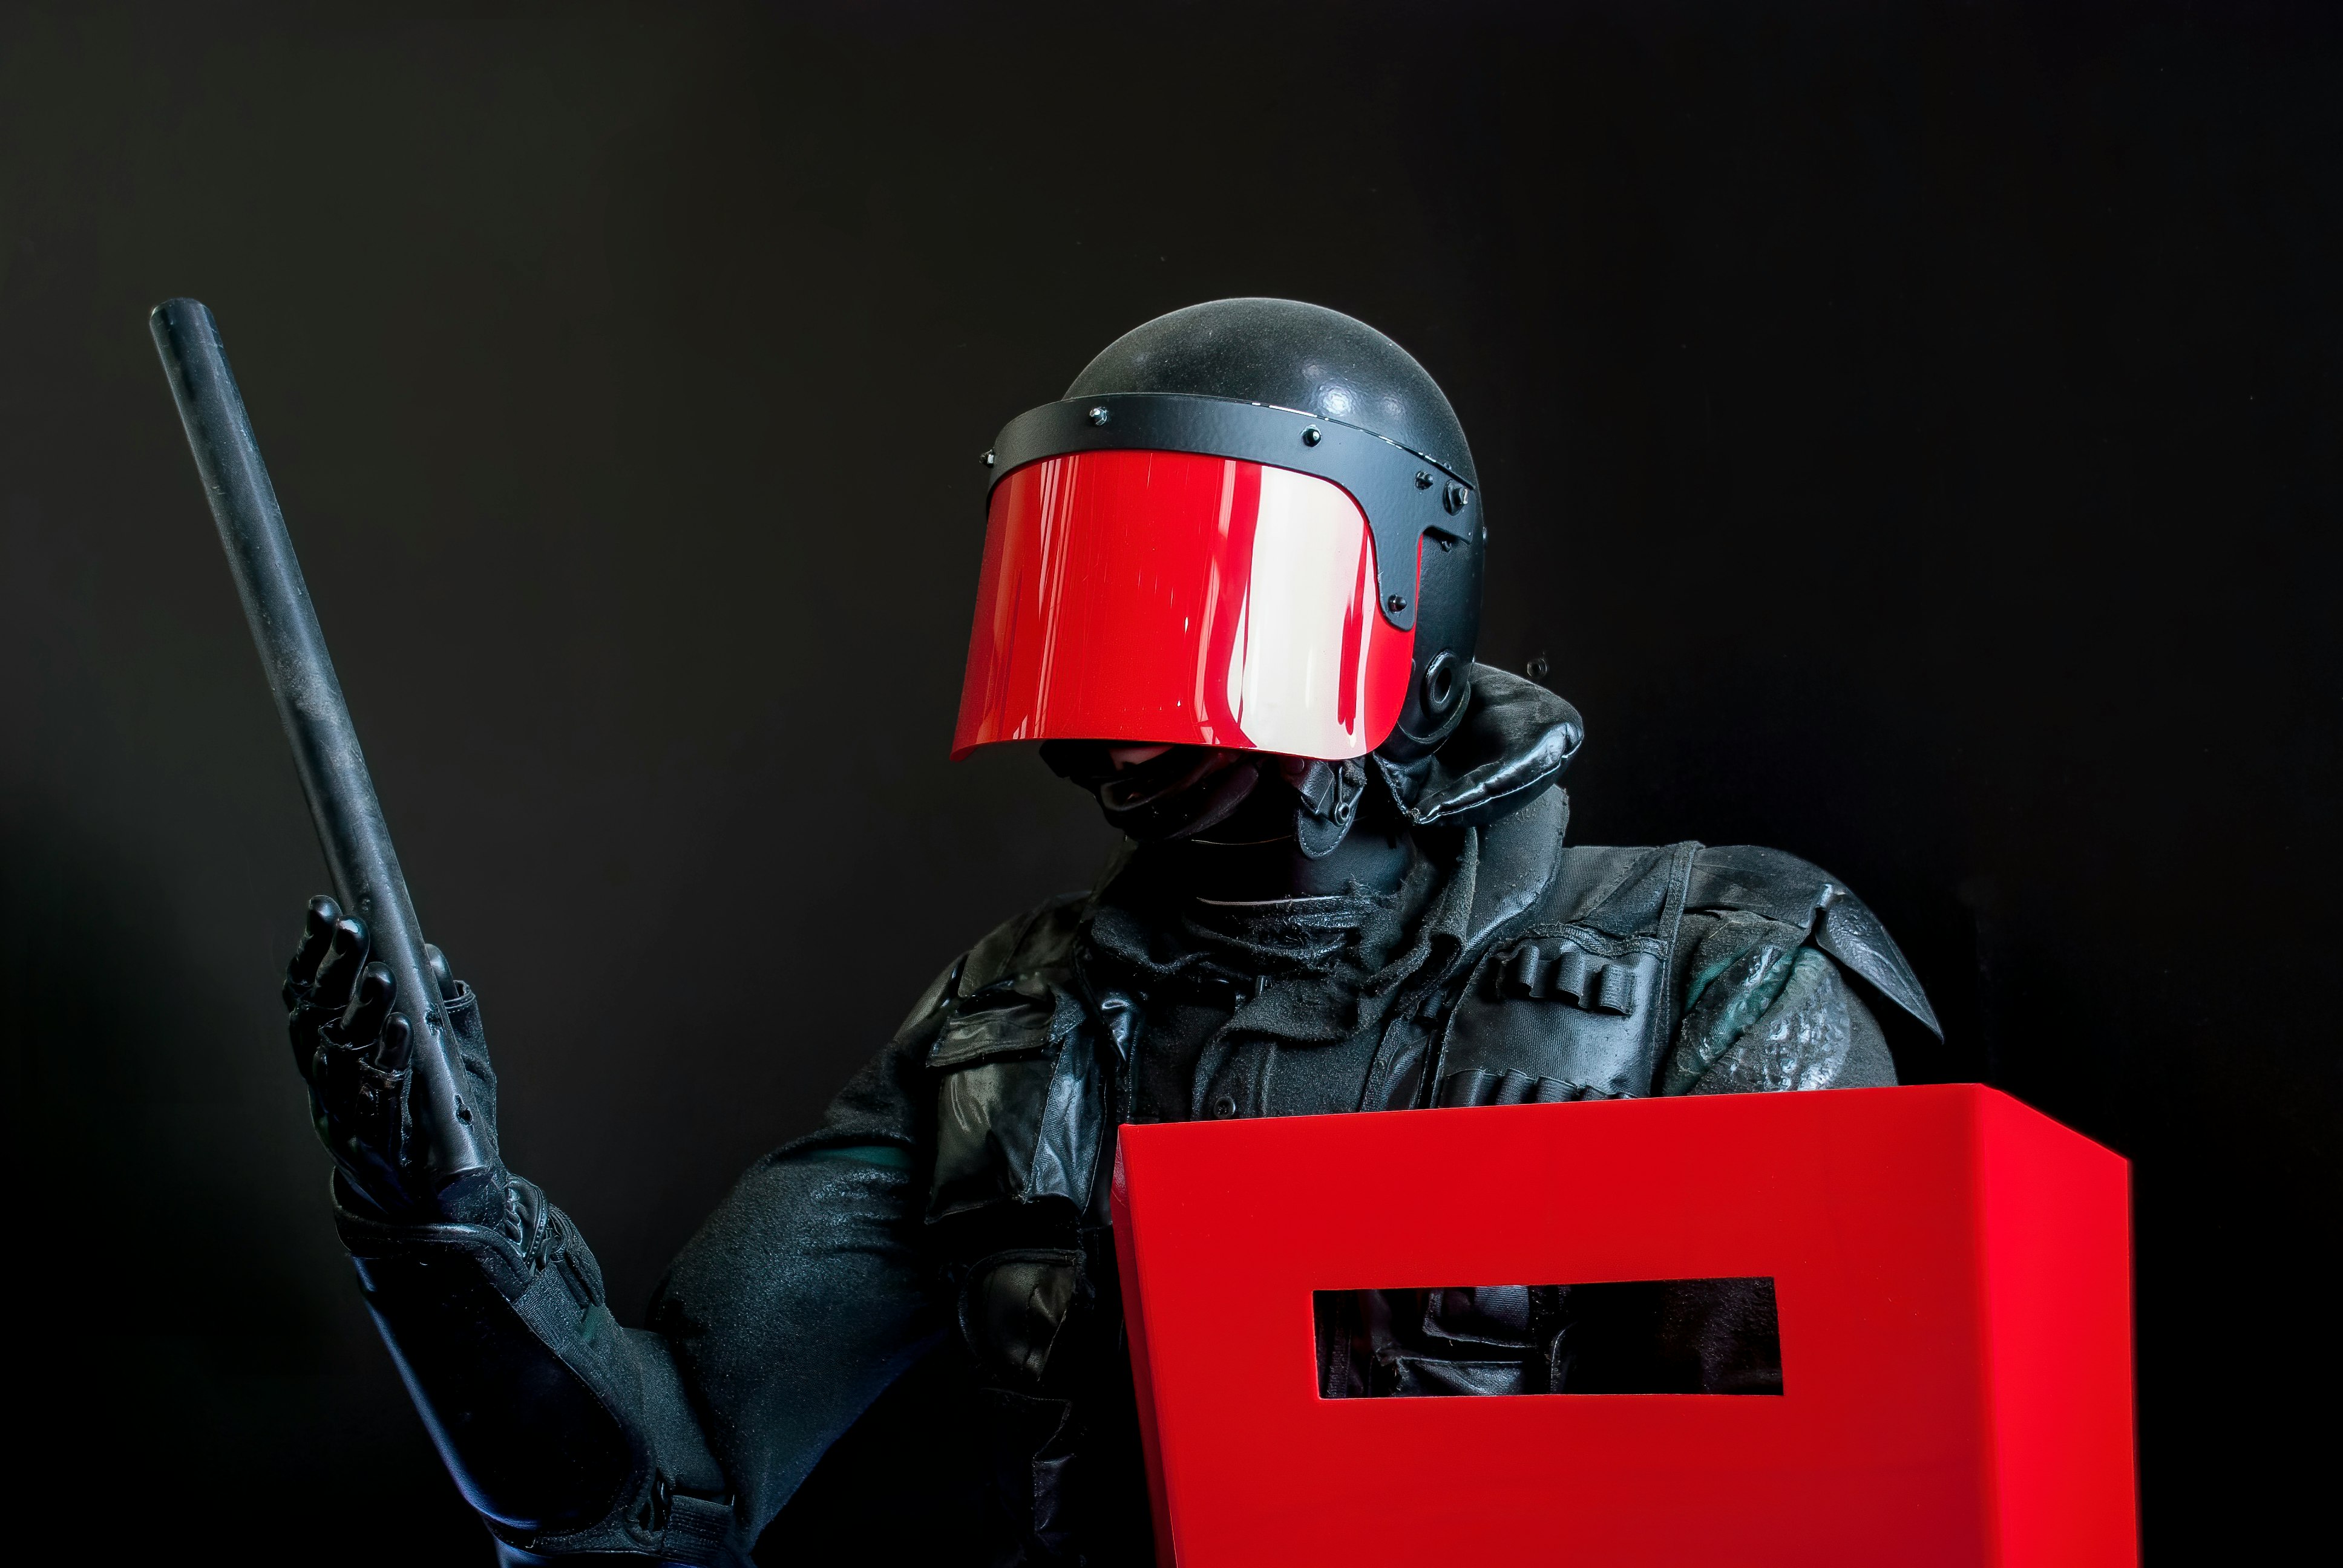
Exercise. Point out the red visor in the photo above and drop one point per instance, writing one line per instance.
(1175, 597)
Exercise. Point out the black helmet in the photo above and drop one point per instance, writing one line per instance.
(1250, 525)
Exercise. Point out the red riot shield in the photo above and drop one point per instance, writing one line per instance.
(1952, 1278)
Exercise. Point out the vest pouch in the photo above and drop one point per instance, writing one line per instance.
(1020, 1103)
(1576, 1015)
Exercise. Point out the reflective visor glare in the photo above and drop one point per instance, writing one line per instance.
(1167, 597)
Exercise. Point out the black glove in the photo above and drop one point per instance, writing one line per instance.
(350, 1043)
(574, 1437)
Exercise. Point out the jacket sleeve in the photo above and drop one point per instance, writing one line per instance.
(807, 1294)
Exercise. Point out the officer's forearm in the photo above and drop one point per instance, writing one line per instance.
(568, 1433)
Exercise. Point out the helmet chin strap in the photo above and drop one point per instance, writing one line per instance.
(1327, 796)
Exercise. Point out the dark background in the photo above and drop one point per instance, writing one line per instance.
(1910, 431)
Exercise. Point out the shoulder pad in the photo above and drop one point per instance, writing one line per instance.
(1781, 886)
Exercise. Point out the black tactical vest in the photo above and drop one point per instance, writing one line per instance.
(1560, 984)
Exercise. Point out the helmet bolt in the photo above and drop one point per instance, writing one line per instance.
(1423, 482)
(1395, 604)
(1312, 436)
(988, 459)
(1456, 497)
(1098, 415)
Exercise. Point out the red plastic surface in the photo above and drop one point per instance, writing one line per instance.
(1174, 598)
(1953, 1274)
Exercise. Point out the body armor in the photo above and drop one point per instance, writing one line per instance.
(1542, 972)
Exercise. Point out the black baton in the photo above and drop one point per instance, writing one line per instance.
(350, 829)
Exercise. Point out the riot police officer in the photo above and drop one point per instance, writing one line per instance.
(1232, 582)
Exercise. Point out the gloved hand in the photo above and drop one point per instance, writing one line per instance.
(350, 1041)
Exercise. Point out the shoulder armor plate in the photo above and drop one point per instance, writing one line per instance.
(1782, 886)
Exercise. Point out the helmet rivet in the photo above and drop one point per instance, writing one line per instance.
(1456, 498)
(1312, 436)
(1423, 482)
(988, 459)
(1098, 416)
(1395, 604)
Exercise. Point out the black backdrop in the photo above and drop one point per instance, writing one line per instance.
(1910, 432)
